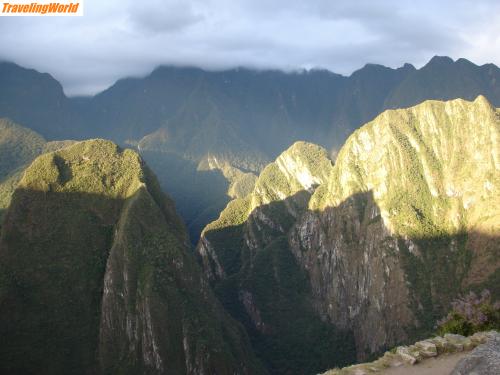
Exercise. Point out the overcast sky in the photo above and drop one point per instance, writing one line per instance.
(118, 38)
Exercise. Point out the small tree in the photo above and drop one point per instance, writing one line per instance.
(470, 314)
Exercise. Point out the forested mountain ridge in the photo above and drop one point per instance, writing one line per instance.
(97, 276)
(237, 107)
(380, 242)
(178, 117)
(324, 255)
(19, 146)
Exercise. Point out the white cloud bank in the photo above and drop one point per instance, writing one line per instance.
(118, 38)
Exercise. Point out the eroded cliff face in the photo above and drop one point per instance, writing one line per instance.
(246, 256)
(357, 275)
(97, 276)
(423, 233)
(405, 220)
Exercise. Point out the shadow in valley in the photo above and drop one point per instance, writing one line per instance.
(266, 289)
(199, 195)
(336, 284)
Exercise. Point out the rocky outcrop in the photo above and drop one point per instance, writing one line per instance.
(484, 360)
(404, 356)
(358, 280)
(97, 276)
(408, 197)
(387, 237)
(245, 254)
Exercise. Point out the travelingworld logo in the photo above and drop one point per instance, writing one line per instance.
(41, 8)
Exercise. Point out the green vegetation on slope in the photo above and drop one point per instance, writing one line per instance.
(200, 191)
(470, 314)
(405, 221)
(19, 146)
(240, 116)
(262, 285)
(425, 164)
(433, 171)
(97, 276)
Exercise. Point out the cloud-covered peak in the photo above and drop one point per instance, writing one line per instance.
(122, 38)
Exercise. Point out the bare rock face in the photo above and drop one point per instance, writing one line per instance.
(405, 220)
(420, 351)
(247, 257)
(394, 234)
(483, 360)
(358, 281)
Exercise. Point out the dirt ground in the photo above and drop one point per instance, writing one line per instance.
(441, 365)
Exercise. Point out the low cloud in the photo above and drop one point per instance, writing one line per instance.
(122, 38)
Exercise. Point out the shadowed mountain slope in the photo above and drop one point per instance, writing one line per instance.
(18, 147)
(97, 276)
(182, 116)
(406, 219)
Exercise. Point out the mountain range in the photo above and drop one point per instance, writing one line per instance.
(376, 246)
(178, 117)
(323, 219)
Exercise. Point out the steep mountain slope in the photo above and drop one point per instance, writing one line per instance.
(97, 277)
(245, 255)
(37, 101)
(201, 189)
(246, 117)
(442, 78)
(177, 117)
(406, 219)
(19, 146)
(420, 189)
